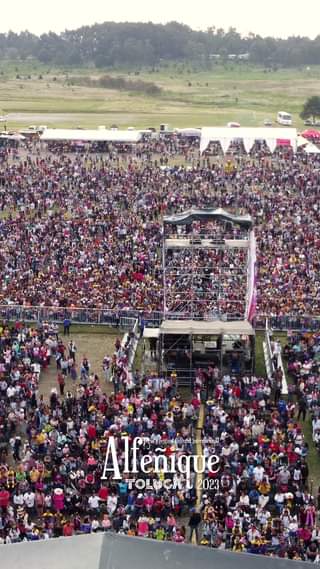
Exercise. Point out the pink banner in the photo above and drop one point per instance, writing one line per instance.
(252, 279)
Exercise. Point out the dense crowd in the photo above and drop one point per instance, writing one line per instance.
(303, 356)
(213, 280)
(53, 469)
(263, 504)
(85, 229)
(57, 476)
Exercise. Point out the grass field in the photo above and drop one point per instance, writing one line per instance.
(189, 97)
(93, 343)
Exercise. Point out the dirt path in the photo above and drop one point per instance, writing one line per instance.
(93, 346)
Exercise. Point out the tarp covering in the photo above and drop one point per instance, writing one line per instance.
(225, 135)
(311, 149)
(111, 551)
(151, 332)
(99, 135)
(311, 133)
(216, 327)
(197, 214)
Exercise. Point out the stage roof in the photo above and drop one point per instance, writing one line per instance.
(206, 244)
(216, 327)
(98, 135)
(207, 214)
(225, 135)
(151, 332)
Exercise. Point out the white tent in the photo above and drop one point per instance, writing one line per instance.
(15, 136)
(98, 135)
(301, 141)
(311, 148)
(225, 135)
(188, 131)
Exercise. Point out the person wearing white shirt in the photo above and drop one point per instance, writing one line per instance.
(94, 502)
(258, 473)
(18, 499)
(112, 504)
(29, 499)
(244, 500)
(279, 500)
(11, 391)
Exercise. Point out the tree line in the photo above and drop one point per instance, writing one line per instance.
(127, 44)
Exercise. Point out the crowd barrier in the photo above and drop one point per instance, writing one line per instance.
(126, 318)
(288, 322)
(270, 357)
(133, 344)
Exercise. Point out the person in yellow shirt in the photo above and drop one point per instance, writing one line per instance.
(34, 475)
(238, 547)
(264, 487)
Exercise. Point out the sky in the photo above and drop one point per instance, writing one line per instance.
(279, 18)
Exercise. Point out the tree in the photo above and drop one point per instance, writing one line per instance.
(311, 108)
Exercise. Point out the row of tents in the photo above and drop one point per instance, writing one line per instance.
(273, 137)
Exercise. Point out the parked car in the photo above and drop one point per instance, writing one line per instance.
(309, 122)
(267, 122)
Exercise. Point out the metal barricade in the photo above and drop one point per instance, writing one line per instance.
(125, 318)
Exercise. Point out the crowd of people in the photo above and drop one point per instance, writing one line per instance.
(303, 356)
(54, 477)
(263, 503)
(207, 282)
(86, 229)
(57, 476)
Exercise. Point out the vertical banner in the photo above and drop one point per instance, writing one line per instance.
(252, 279)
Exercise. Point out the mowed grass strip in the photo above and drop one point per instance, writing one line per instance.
(189, 97)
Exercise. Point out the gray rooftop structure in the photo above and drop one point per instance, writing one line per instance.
(208, 214)
(112, 551)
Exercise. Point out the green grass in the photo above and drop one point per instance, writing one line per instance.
(93, 329)
(260, 368)
(190, 97)
(138, 360)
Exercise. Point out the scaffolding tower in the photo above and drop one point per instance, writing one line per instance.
(208, 291)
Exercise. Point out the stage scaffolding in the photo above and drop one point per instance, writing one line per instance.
(207, 293)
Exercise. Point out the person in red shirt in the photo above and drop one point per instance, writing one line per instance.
(103, 493)
(68, 529)
(92, 432)
(4, 499)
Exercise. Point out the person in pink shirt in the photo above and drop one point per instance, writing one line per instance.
(58, 499)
